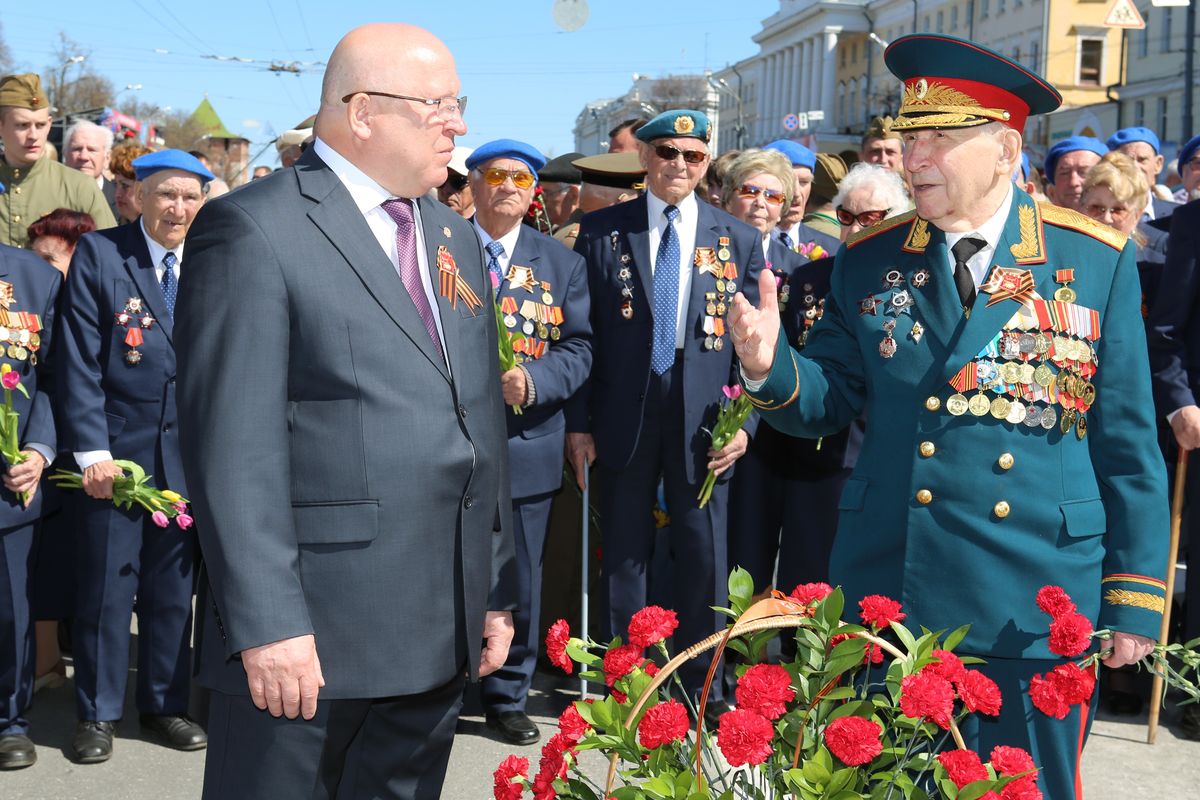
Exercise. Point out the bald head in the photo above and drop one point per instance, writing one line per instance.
(404, 145)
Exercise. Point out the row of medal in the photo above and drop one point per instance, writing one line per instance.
(20, 331)
(539, 321)
(814, 309)
(134, 318)
(717, 304)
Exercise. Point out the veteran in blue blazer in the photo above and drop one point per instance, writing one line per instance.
(662, 272)
(540, 288)
(997, 349)
(116, 400)
(28, 295)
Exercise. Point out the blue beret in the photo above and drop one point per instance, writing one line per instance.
(1070, 145)
(677, 123)
(1130, 135)
(1025, 168)
(798, 154)
(147, 165)
(1187, 152)
(527, 154)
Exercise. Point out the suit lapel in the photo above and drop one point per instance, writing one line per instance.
(638, 236)
(339, 220)
(437, 234)
(708, 232)
(141, 269)
(937, 301)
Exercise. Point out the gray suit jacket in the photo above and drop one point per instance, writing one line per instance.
(344, 482)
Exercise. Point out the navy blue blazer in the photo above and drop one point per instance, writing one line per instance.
(535, 437)
(610, 405)
(807, 234)
(34, 290)
(1174, 321)
(109, 399)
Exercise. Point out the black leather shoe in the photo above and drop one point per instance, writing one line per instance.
(93, 741)
(17, 751)
(514, 726)
(1189, 723)
(175, 730)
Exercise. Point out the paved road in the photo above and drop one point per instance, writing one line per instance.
(1117, 764)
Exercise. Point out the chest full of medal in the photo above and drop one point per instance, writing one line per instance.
(714, 264)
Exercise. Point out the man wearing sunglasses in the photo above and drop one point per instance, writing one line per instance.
(662, 270)
(455, 191)
(541, 290)
(962, 509)
(347, 445)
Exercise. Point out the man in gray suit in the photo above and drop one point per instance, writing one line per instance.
(344, 439)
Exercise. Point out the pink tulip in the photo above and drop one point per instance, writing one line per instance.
(10, 380)
(732, 392)
(160, 519)
(180, 507)
(183, 521)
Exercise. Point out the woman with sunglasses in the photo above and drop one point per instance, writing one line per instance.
(785, 493)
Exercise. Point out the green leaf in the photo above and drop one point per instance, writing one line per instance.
(580, 790)
(975, 790)
(841, 780)
(661, 787)
(815, 772)
(580, 654)
(741, 586)
(955, 638)
(858, 708)
(906, 638)
(832, 607)
(627, 793)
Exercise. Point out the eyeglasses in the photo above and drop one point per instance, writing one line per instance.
(455, 182)
(447, 107)
(748, 191)
(863, 218)
(496, 176)
(668, 153)
(1098, 211)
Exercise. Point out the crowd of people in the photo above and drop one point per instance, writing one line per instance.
(372, 491)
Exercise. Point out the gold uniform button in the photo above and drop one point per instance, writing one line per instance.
(933, 404)
(1001, 509)
(1005, 461)
(927, 449)
(16, 217)
(925, 497)
(17, 190)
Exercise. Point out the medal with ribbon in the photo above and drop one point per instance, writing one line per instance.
(1008, 283)
(450, 284)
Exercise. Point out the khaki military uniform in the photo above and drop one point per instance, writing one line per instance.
(33, 192)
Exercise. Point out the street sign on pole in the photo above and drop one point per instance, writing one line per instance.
(1124, 14)
(791, 122)
(1161, 3)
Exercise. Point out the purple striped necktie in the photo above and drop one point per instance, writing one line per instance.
(400, 210)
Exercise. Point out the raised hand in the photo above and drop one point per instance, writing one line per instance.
(755, 331)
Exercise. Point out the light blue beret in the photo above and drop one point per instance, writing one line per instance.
(676, 123)
(798, 154)
(1130, 135)
(1070, 145)
(527, 154)
(147, 165)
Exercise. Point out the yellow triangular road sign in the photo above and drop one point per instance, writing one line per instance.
(1124, 14)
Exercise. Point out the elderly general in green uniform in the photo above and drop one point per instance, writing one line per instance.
(996, 346)
(32, 185)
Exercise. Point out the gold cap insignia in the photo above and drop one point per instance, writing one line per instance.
(684, 124)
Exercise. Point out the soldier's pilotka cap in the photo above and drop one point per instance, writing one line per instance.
(798, 154)
(527, 154)
(1070, 145)
(561, 170)
(674, 124)
(1131, 135)
(953, 83)
(618, 170)
(147, 165)
(881, 128)
(23, 91)
(828, 174)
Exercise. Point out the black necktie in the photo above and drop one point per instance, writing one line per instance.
(962, 252)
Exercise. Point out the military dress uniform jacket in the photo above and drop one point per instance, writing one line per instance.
(963, 515)
(29, 290)
(545, 293)
(33, 192)
(615, 242)
(115, 359)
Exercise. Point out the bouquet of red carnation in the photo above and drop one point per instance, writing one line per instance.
(730, 420)
(832, 723)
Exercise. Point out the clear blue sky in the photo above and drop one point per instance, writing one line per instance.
(526, 78)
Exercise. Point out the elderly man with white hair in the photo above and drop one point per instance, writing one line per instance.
(86, 147)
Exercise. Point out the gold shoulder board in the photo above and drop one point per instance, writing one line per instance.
(1061, 217)
(881, 227)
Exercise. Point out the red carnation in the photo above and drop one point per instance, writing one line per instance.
(503, 787)
(620, 661)
(873, 654)
(1070, 635)
(650, 668)
(927, 695)
(838, 638)
(808, 593)
(1054, 601)
(1022, 789)
(948, 665)
(619, 696)
(963, 766)
(651, 625)
(765, 689)
(1048, 699)
(665, 723)
(978, 692)
(744, 737)
(879, 611)
(854, 740)
(572, 725)
(1074, 684)
(556, 646)
(552, 767)
(1011, 760)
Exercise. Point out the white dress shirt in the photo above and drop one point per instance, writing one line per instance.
(685, 229)
(990, 232)
(369, 197)
(86, 458)
(508, 241)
